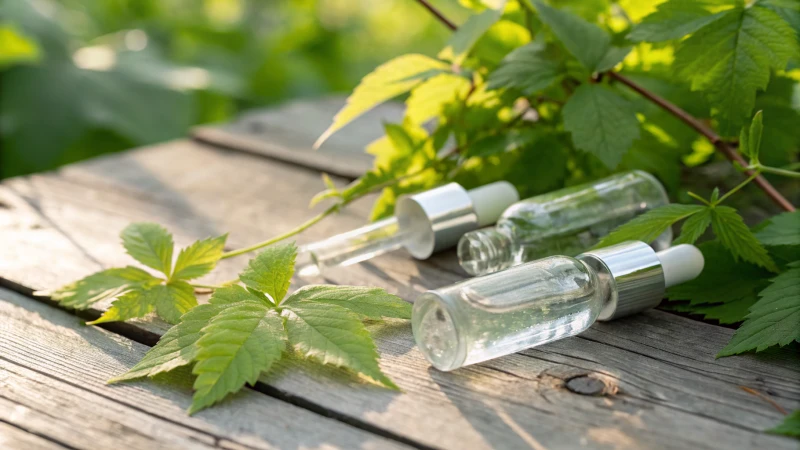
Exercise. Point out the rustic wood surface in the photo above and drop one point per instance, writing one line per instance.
(649, 381)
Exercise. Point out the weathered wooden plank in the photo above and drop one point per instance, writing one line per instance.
(658, 369)
(52, 383)
(287, 133)
(15, 438)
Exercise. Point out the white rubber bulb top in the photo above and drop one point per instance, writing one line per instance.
(489, 201)
(680, 264)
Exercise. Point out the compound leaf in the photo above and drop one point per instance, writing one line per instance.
(103, 285)
(648, 226)
(732, 232)
(172, 300)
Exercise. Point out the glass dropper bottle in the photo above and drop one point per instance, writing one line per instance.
(423, 223)
(545, 300)
(562, 222)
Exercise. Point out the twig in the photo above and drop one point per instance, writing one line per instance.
(766, 399)
(729, 152)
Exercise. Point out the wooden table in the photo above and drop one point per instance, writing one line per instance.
(649, 381)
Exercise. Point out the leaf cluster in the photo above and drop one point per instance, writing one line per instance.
(135, 292)
(244, 330)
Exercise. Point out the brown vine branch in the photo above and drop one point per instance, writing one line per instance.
(729, 152)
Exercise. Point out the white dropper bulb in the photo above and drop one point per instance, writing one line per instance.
(681, 263)
(489, 201)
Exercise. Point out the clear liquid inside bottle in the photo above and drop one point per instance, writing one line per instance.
(563, 222)
(350, 248)
(525, 306)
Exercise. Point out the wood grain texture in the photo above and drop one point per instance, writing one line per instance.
(52, 383)
(287, 133)
(663, 387)
(12, 437)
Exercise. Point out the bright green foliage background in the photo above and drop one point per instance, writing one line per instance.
(83, 77)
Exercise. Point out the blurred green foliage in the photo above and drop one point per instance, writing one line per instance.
(79, 78)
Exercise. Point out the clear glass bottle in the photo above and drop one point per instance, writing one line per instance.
(563, 222)
(542, 301)
(423, 224)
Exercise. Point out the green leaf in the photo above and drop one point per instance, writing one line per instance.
(16, 47)
(731, 230)
(172, 300)
(505, 142)
(176, 347)
(790, 425)
(389, 80)
(236, 294)
(783, 229)
(333, 335)
(527, 69)
(586, 41)
(369, 302)
(271, 271)
(750, 139)
(103, 285)
(601, 122)
(648, 226)
(731, 58)
(613, 56)
(462, 40)
(199, 258)
(150, 244)
(724, 290)
(673, 20)
(773, 320)
(498, 41)
(238, 344)
(789, 10)
(130, 305)
(427, 99)
(694, 227)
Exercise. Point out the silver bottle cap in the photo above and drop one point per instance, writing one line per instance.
(435, 219)
(635, 274)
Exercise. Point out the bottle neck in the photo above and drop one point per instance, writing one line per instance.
(486, 250)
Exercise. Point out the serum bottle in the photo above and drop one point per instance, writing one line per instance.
(541, 301)
(563, 222)
(423, 223)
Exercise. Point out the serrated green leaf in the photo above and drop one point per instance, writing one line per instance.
(130, 305)
(176, 347)
(754, 136)
(789, 10)
(239, 343)
(694, 227)
(790, 425)
(773, 320)
(674, 19)
(601, 122)
(369, 302)
(333, 335)
(500, 143)
(783, 229)
(103, 285)
(499, 40)
(427, 99)
(172, 300)
(150, 244)
(586, 41)
(271, 271)
(199, 258)
(389, 80)
(236, 294)
(730, 229)
(730, 59)
(462, 40)
(527, 69)
(730, 312)
(648, 226)
(723, 280)
(613, 56)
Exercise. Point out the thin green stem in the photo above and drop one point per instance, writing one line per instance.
(778, 171)
(302, 227)
(698, 198)
(739, 186)
(792, 166)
